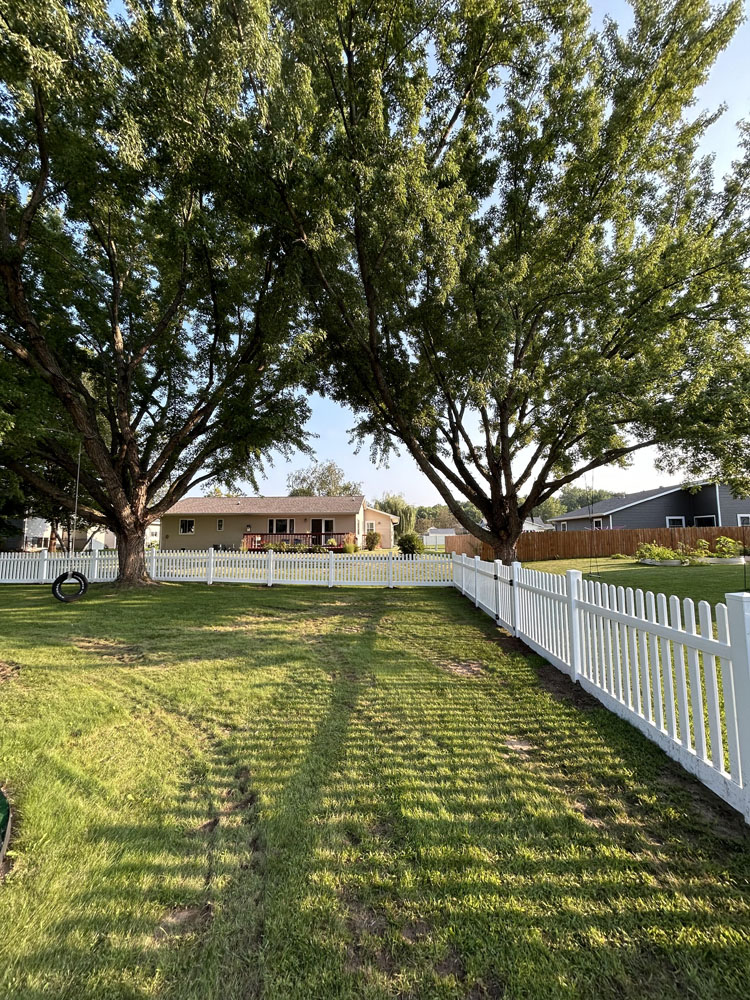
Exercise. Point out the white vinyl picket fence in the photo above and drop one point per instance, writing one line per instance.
(327, 569)
(682, 678)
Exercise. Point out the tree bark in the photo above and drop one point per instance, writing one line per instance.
(505, 549)
(131, 559)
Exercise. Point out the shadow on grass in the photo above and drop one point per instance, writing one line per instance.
(387, 829)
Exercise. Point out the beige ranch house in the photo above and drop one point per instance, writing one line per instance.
(254, 522)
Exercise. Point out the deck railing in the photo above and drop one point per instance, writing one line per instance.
(255, 541)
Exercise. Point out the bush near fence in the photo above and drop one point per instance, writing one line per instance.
(538, 545)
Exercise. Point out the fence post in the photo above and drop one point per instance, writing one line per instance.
(515, 591)
(390, 568)
(93, 565)
(498, 585)
(42, 571)
(738, 613)
(574, 578)
(210, 566)
(476, 581)
(152, 566)
(463, 574)
(269, 567)
(330, 568)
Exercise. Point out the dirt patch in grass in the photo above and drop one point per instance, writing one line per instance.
(462, 668)
(415, 931)
(9, 670)
(366, 926)
(584, 810)
(451, 965)
(520, 746)
(112, 648)
(562, 688)
(720, 819)
(183, 920)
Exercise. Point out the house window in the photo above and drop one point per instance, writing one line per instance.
(597, 524)
(187, 526)
(219, 523)
(563, 525)
(704, 521)
(280, 525)
(369, 526)
(743, 520)
(675, 522)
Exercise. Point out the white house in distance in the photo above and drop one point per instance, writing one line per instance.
(256, 522)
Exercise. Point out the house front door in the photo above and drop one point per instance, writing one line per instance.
(316, 528)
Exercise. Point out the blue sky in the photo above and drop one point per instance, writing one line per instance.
(729, 84)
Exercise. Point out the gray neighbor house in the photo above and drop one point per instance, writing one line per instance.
(704, 505)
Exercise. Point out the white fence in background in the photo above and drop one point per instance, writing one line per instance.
(435, 541)
(327, 569)
(682, 678)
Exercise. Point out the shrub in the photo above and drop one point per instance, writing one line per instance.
(410, 543)
(331, 543)
(650, 550)
(318, 548)
(372, 540)
(620, 555)
(727, 548)
(350, 547)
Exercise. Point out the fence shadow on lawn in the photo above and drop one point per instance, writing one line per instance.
(391, 827)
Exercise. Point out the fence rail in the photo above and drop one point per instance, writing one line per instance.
(682, 678)
(366, 569)
(534, 546)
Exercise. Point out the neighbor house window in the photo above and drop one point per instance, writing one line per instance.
(705, 521)
(597, 524)
(563, 525)
(187, 526)
(743, 520)
(675, 522)
(369, 526)
(219, 523)
(280, 525)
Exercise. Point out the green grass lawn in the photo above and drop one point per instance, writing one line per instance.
(702, 583)
(306, 794)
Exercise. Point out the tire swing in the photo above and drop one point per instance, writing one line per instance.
(61, 587)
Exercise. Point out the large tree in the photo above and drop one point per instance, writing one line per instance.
(151, 322)
(522, 267)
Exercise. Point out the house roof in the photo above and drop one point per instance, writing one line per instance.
(614, 504)
(268, 505)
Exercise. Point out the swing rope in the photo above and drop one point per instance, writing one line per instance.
(72, 540)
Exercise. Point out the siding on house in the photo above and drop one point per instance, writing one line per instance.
(731, 506)
(654, 511)
(207, 534)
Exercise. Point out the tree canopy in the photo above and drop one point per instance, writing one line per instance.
(142, 314)
(321, 479)
(521, 266)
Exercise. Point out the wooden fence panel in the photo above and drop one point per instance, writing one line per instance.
(538, 545)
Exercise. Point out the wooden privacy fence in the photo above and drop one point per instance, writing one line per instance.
(537, 545)
(368, 569)
(682, 678)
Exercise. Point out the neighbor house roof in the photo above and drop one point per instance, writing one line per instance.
(268, 505)
(614, 504)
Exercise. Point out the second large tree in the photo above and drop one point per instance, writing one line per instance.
(521, 267)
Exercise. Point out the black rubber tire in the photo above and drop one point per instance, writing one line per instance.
(57, 592)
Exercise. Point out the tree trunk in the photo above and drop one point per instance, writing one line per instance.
(505, 550)
(131, 559)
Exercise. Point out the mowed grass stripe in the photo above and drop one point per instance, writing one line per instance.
(296, 793)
